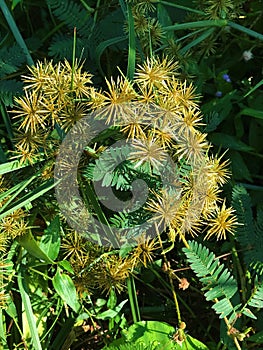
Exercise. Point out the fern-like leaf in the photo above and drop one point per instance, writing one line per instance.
(9, 89)
(11, 58)
(257, 297)
(250, 233)
(72, 14)
(61, 47)
(215, 277)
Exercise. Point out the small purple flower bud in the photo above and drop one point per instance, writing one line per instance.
(226, 77)
(218, 94)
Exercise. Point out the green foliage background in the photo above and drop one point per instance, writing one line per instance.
(209, 44)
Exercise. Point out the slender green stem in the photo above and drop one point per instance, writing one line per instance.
(73, 58)
(240, 272)
(245, 30)
(2, 330)
(96, 12)
(7, 123)
(132, 45)
(198, 24)
(199, 39)
(133, 299)
(167, 3)
(16, 32)
(87, 7)
(170, 281)
(22, 186)
(40, 273)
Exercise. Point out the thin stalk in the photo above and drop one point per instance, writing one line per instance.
(198, 24)
(96, 12)
(17, 35)
(150, 43)
(73, 58)
(167, 3)
(193, 43)
(183, 239)
(229, 328)
(240, 273)
(170, 281)
(133, 299)
(7, 123)
(245, 30)
(87, 7)
(2, 331)
(132, 45)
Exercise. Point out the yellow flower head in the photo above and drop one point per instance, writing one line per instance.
(155, 72)
(222, 220)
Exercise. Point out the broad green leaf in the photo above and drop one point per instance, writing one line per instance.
(65, 265)
(28, 242)
(11, 308)
(239, 168)
(252, 113)
(228, 141)
(65, 288)
(112, 301)
(50, 241)
(108, 314)
(256, 338)
(100, 302)
(161, 333)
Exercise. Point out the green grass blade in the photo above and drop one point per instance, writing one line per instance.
(29, 197)
(3, 158)
(24, 292)
(103, 45)
(7, 122)
(245, 30)
(167, 3)
(254, 88)
(132, 46)
(16, 32)
(3, 332)
(133, 299)
(197, 24)
(20, 187)
(15, 165)
(252, 113)
(202, 37)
